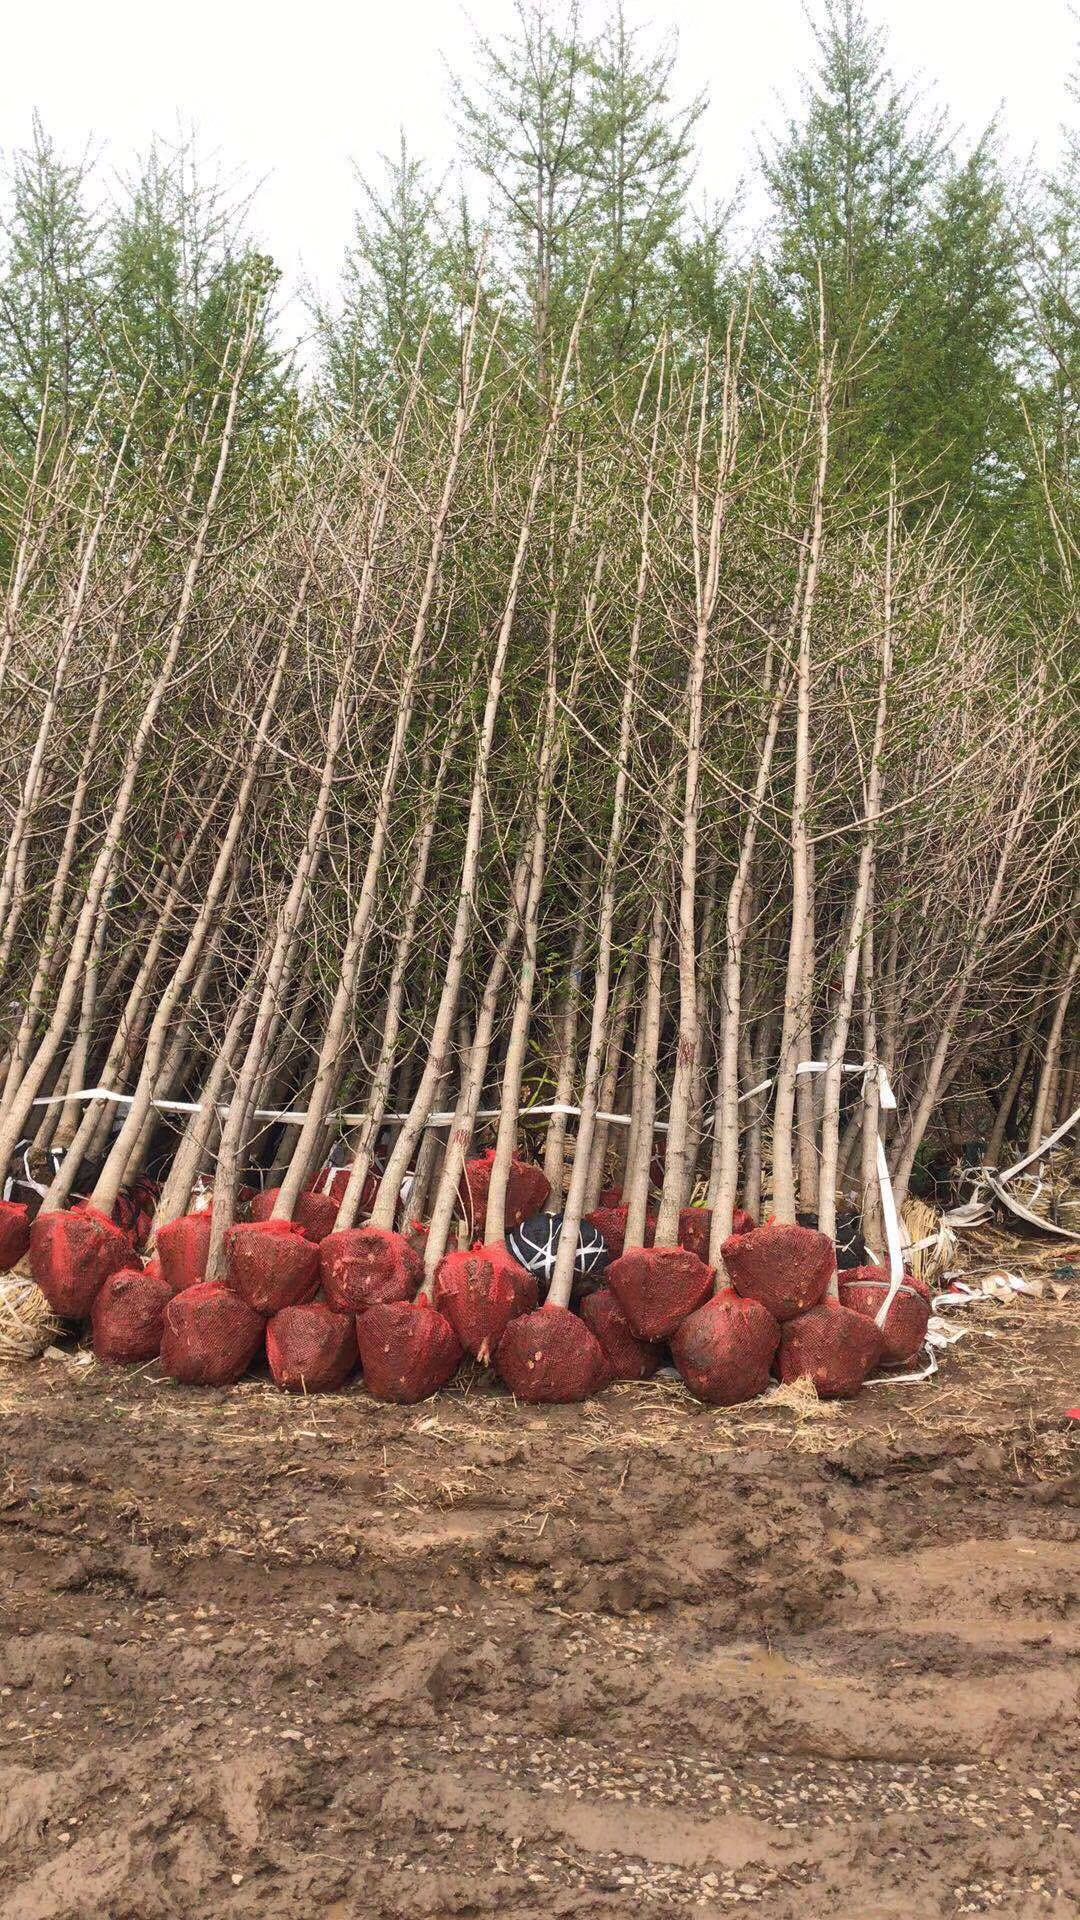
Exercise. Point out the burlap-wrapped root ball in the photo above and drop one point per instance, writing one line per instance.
(128, 1316)
(626, 1357)
(408, 1350)
(550, 1357)
(72, 1255)
(210, 1336)
(832, 1346)
(725, 1350)
(534, 1244)
(311, 1349)
(611, 1222)
(695, 1228)
(271, 1264)
(657, 1287)
(182, 1247)
(14, 1233)
(364, 1267)
(480, 1292)
(526, 1190)
(866, 1289)
(786, 1268)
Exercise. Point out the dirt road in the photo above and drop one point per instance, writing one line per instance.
(270, 1657)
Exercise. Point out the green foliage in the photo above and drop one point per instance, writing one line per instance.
(52, 293)
(951, 294)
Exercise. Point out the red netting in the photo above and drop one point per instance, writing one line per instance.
(695, 1228)
(611, 1222)
(657, 1287)
(364, 1267)
(331, 1181)
(480, 1292)
(526, 1285)
(311, 1349)
(526, 1191)
(210, 1336)
(14, 1232)
(724, 1351)
(315, 1212)
(786, 1268)
(271, 1264)
(72, 1255)
(550, 1356)
(865, 1290)
(128, 1317)
(125, 1215)
(695, 1225)
(182, 1247)
(627, 1357)
(832, 1346)
(408, 1350)
(145, 1193)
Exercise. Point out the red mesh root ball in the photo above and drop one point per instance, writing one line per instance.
(210, 1336)
(314, 1213)
(408, 1350)
(786, 1268)
(364, 1267)
(526, 1190)
(611, 1222)
(550, 1357)
(833, 1347)
(695, 1228)
(627, 1357)
(865, 1290)
(725, 1350)
(311, 1349)
(145, 1194)
(271, 1264)
(480, 1292)
(695, 1225)
(182, 1247)
(72, 1255)
(657, 1287)
(128, 1316)
(14, 1232)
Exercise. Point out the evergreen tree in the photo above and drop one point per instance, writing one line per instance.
(528, 132)
(1051, 278)
(958, 344)
(52, 292)
(397, 280)
(181, 272)
(640, 159)
(848, 181)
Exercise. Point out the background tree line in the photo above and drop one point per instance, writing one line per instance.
(950, 288)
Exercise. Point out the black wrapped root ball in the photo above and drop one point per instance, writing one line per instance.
(535, 1245)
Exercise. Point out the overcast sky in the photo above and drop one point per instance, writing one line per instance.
(291, 93)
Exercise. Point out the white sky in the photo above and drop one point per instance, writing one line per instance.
(292, 93)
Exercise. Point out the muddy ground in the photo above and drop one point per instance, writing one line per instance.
(262, 1656)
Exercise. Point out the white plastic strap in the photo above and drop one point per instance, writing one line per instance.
(1043, 1148)
(906, 1379)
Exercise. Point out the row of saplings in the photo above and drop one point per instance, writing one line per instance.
(320, 1302)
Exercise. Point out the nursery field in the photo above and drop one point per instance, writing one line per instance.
(268, 1655)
